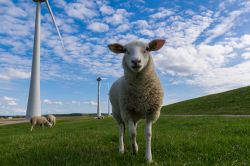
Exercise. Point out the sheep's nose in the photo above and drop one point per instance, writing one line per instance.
(136, 61)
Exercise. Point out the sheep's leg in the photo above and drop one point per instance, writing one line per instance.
(148, 134)
(132, 131)
(121, 135)
(31, 128)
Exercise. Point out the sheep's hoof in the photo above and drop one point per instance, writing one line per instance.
(121, 151)
(150, 161)
(135, 148)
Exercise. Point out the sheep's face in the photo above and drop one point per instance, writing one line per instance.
(48, 124)
(136, 54)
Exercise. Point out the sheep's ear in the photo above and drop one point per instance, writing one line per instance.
(117, 48)
(155, 45)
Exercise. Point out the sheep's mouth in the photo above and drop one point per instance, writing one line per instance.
(136, 67)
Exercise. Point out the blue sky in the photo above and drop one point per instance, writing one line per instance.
(207, 49)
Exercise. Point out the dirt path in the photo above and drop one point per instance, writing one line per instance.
(22, 120)
(16, 121)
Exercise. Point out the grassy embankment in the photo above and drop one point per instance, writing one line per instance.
(235, 102)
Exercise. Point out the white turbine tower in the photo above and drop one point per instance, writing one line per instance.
(99, 114)
(34, 105)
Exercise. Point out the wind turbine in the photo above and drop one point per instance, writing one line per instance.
(34, 105)
(99, 114)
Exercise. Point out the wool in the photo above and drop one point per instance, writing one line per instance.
(52, 119)
(137, 96)
(39, 121)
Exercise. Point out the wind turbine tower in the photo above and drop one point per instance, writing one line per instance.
(99, 114)
(34, 105)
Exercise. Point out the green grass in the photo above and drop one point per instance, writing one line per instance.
(231, 102)
(86, 141)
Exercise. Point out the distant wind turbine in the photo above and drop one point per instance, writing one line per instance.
(99, 114)
(34, 105)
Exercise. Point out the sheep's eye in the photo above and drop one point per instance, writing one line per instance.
(144, 51)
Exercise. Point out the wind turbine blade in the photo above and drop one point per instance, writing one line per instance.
(54, 21)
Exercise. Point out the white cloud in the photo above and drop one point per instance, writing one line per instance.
(19, 111)
(141, 24)
(224, 78)
(183, 31)
(58, 103)
(75, 102)
(190, 60)
(81, 10)
(4, 77)
(179, 61)
(119, 17)
(226, 23)
(13, 59)
(12, 73)
(8, 9)
(123, 28)
(47, 101)
(9, 101)
(93, 103)
(162, 13)
(215, 55)
(241, 42)
(107, 10)
(50, 102)
(98, 27)
(246, 55)
(206, 65)
(12, 111)
(146, 32)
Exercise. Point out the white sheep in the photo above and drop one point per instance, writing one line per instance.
(138, 94)
(52, 119)
(39, 120)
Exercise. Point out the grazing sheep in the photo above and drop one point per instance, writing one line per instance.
(138, 94)
(52, 119)
(39, 120)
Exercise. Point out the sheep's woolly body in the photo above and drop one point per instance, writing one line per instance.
(38, 121)
(137, 95)
(52, 119)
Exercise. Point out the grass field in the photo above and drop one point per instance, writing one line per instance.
(231, 102)
(87, 141)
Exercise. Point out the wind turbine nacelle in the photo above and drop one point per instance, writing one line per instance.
(39, 0)
(99, 79)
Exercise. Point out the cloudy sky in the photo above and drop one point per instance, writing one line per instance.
(207, 49)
